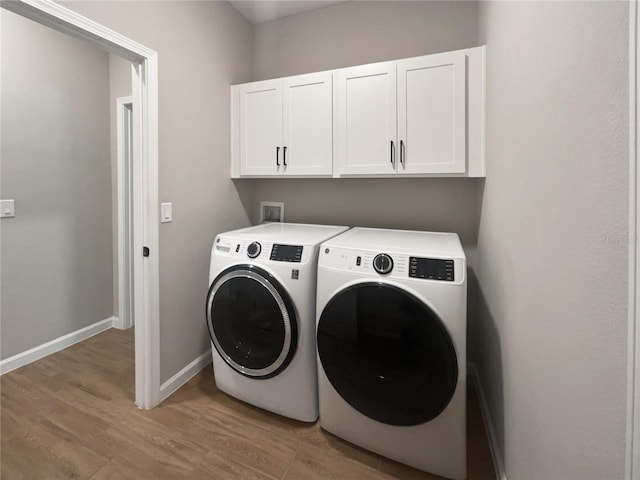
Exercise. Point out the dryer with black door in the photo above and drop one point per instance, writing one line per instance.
(261, 315)
(391, 337)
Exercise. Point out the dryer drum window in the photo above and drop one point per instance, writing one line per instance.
(251, 321)
(387, 354)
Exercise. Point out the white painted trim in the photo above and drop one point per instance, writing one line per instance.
(476, 112)
(21, 359)
(54, 15)
(234, 105)
(146, 221)
(184, 375)
(632, 453)
(498, 462)
(125, 320)
(147, 217)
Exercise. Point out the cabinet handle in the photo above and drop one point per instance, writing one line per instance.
(284, 156)
(401, 153)
(277, 155)
(391, 153)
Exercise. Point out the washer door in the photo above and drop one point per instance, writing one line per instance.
(252, 322)
(387, 354)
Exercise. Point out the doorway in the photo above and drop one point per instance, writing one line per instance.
(143, 221)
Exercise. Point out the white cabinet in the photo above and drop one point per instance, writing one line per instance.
(408, 117)
(260, 127)
(432, 114)
(284, 126)
(366, 119)
(308, 124)
(421, 116)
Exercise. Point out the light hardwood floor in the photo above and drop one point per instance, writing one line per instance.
(71, 415)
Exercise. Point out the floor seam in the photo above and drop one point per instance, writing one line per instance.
(286, 470)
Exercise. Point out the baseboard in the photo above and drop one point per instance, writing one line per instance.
(21, 359)
(184, 375)
(472, 371)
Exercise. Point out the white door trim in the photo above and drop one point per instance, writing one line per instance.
(632, 467)
(124, 156)
(145, 177)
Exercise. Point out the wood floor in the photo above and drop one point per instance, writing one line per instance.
(71, 415)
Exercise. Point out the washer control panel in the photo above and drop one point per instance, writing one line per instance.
(286, 253)
(253, 250)
(264, 251)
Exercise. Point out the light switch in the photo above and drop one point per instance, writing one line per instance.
(7, 208)
(166, 213)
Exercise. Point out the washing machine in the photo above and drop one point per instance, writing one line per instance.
(260, 313)
(391, 340)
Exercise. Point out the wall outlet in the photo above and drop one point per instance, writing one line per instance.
(7, 208)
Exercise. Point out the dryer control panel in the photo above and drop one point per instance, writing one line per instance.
(394, 265)
(431, 268)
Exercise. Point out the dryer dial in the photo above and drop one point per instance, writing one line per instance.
(383, 263)
(254, 249)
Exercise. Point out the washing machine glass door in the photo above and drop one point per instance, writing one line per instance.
(252, 322)
(387, 354)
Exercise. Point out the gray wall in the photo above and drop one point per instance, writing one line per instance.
(203, 48)
(56, 274)
(354, 33)
(357, 32)
(552, 247)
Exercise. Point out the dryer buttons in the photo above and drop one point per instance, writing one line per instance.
(254, 249)
(382, 263)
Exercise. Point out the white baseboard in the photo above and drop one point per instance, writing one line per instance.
(472, 371)
(184, 375)
(41, 351)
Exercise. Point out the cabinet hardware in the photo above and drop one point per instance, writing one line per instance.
(401, 153)
(277, 155)
(284, 156)
(391, 154)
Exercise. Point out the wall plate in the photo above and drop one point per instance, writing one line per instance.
(271, 212)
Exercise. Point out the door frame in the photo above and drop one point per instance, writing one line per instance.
(145, 221)
(632, 463)
(124, 157)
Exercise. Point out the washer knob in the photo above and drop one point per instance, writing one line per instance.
(254, 249)
(383, 263)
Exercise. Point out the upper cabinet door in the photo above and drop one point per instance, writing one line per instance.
(308, 124)
(366, 119)
(432, 114)
(260, 127)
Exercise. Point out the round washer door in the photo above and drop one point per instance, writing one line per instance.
(387, 354)
(252, 322)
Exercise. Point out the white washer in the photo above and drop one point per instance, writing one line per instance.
(261, 315)
(391, 337)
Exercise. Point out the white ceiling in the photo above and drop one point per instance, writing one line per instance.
(257, 11)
